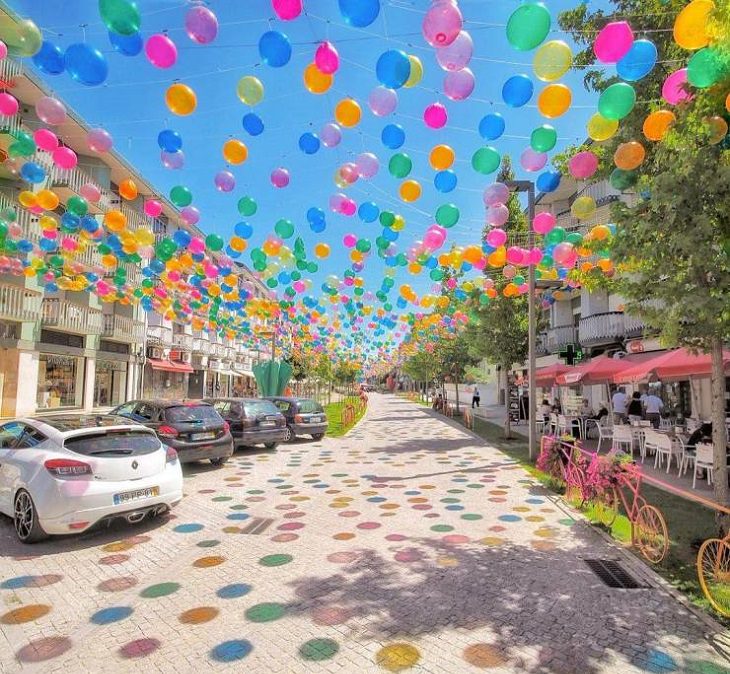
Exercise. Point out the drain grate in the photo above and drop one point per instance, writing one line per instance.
(257, 526)
(613, 574)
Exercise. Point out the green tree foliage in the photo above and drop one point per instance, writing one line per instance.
(453, 357)
(346, 372)
(422, 367)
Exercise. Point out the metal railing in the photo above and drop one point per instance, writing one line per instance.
(158, 334)
(603, 328)
(18, 303)
(123, 328)
(541, 345)
(182, 341)
(71, 317)
(559, 336)
(201, 345)
(217, 350)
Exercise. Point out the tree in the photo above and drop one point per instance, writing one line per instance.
(422, 367)
(453, 357)
(346, 372)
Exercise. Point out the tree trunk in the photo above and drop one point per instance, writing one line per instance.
(507, 421)
(719, 434)
(456, 384)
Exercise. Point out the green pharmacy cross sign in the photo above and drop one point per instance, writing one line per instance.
(571, 354)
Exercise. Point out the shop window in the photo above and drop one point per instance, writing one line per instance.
(60, 381)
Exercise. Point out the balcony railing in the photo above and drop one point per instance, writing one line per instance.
(559, 336)
(27, 221)
(605, 328)
(217, 350)
(75, 178)
(182, 341)
(123, 329)
(541, 347)
(201, 345)
(19, 304)
(71, 317)
(157, 334)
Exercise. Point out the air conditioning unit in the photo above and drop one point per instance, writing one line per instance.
(154, 352)
(186, 357)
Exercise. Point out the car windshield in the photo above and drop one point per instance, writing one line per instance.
(227, 407)
(255, 407)
(114, 443)
(309, 406)
(283, 405)
(73, 422)
(185, 413)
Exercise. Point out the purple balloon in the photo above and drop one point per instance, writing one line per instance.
(367, 165)
(201, 25)
(225, 181)
(496, 193)
(458, 54)
(459, 84)
(173, 160)
(280, 177)
(382, 101)
(190, 215)
(533, 161)
(330, 135)
(497, 215)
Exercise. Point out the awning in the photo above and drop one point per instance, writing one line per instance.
(182, 367)
(244, 373)
(230, 373)
(600, 370)
(671, 365)
(169, 366)
(545, 376)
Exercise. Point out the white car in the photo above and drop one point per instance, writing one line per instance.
(64, 474)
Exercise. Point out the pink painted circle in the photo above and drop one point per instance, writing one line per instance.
(395, 537)
(409, 555)
(344, 557)
(455, 539)
(369, 525)
(139, 648)
(349, 513)
(284, 538)
(290, 526)
(330, 615)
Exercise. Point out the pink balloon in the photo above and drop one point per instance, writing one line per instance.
(65, 158)
(515, 255)
(583, 165)
(330, 135)
(196, 245)
(435, 116)
(90, 192)
(161, 51)
(3, 50)
(287, 10)
(563, 252)
(190, 215)
(458, 85)
(367, 165)
(8, 104)
(50, 111)
(613, 42)
(533, 161)
(496, 193)
(152, 208)
(173, 160)
(99, 140)
(201, 25)
(225, 181)
(458, 54)
(382, 101)
(299, 286)
(442, 24)
(348, 207)
(496, 237)
(673, 89)
(534, 256)
(280, 177)
(349, 240)
(497, 215)
(45, 139)
(543, 222)
(326, 58)
(349, 173)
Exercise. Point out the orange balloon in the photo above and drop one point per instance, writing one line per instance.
(718, 129)
(727, 103)
(554, 100)
(629, 156)
(235, 151)
(181, 99)
(348, 112)
(47, 200)
(410, 191)
(657, 124)
(322, 250)
(472, 254)
(238, 244)
(115, 221)
(316, 81)
(28, 199)
(441, 157)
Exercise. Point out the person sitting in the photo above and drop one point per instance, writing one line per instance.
(545, 410)
(702, 434)
(585, 409)
(602, 412)
(557, 409)
(636, 408)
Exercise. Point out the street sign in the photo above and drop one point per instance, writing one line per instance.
(571, 354)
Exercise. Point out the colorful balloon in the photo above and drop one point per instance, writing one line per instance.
(492, 126)
(315, 81)
(673, 89)
(280, 177)
(235, 152)
(393, 136)
(458, 54)
(410, 191)
(50, 110)
(309, 143)
(393, 69)
(9, 105)
(252, 124)
(22, 38)
(359, 13)
(583, 165)
(554, 100)
(657, 124)
(528, 26)
(459, 85)
(531, 160)
(382, 101)
(544, 138)
(599, 128)
(613, 42)
(638, 62)
(120, 16)
(617, 101)
(327, 59)
(629, 156)
(690, 26)
(441, 157)
(247, 206)
(201, 25)
(442, 24)
(486, 160)
(552, 60)
(49, 59)
(400, 165)
(181, 196)
(250, 90)
(330, 135)
(435, 116)
(161, 51)
(348, 112)
(86, 64)
(704, 68)
(517, 90)
(275, 49)
(46, 140)
(181, 99)
(65, 158)
(128, 189)
(416, 72)
(127, 45)
(224, 181)
(152, 208)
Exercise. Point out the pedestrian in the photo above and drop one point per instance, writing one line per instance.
(618, 402)
(475, 397)
(654, 407)
(636, 407)
(545, 410)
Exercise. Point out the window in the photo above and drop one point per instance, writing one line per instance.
(192, 413)
(117, 443)
(125, 410)
(146, 412)
(257, 407)
(31, 438)
(228, 408)
(309, 406)
(10, 434)
(60, 381)
(283, 405)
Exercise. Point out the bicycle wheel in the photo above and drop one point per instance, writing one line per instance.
(574, 479)
(649, 534)
(605, 507)
(713, 569)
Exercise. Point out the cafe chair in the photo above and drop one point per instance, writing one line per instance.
(623, 439)
(605, 432)
(704, 458)
(650, 443)
(663, 449)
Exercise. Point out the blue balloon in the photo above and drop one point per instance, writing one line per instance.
(89, 223)
(368, 211)
(393, 136)
(48, 245)
(548, 181)
(389, 234)
(517, 90)
(86, 64)
(181, 238)
(126, 45)
(393, 69)
(309, 143)
(243, 230)
(275, 49)
(359, 13)
(169, 140)
(32, 172)
(638, 62)
(316, 219)
(70, 222)
(253, 124)
(492, 126)
(51, 287)
(25, 246)
(49, 59)
(445, 181)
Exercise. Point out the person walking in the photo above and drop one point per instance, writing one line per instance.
(618, 402)
(636, 407)
(475, 397)
(654, 407)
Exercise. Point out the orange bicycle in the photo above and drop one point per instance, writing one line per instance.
(713, 569)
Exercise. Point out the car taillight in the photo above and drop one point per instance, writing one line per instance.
(298, 419)
(171, 455)
(67, 467)
(226, 427)
(167, 432)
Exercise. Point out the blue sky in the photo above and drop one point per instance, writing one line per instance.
(130, 105)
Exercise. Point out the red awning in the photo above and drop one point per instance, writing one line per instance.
(600, 370)
(674, 364)
(545, 376)
(169, 366)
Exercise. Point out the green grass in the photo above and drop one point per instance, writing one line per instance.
(688, 523)
(336, 429)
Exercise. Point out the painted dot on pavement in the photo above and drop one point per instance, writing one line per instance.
(187, 528)
(264, 613)
(447, 562)
(284, 538)
(330, 615)
(112, 614)
(509, 518)
(442, 528)
(111, 560)
(471, 517)
(535, 518)
(219, 499)
(45, 648)
(534, 501)
(567, 522)
(655, 661)
(139, 648)
(275, 560)
(208, 544)
(396, 537)
(397, 657)
(315, 650)
(492, 541)
(233, 591)
(238, 516)
(455, 539)
(119, 546)
(344, 557)
(369, 525)
(343, 536)
(543, 546)
(159, 590)
(231, 651)
(117, 584)
(24, 614)
(198, 615)
(208, 562)
(484, 656)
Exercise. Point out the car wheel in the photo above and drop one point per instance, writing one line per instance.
(25, 519)
(221, 460)
(317, 436)
(288, 434)
(271, 445)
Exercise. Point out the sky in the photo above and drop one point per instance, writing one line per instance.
(130, 105)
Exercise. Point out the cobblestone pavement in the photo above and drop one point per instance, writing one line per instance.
(407, 546)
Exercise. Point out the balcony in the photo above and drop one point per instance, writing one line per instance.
(560, 336)
(217, 350)
(123, 329)
(19, 304)
(27, 221)
(602, 329)
(182, 341)
(70, 317)
(541, 348)
(157, 335)
(201, 345)
(68, 182)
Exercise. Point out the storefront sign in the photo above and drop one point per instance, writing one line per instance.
(111, 365)
(642, 345)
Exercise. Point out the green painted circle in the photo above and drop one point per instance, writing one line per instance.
(275, 560)
(315, 650)
(265, 613)
(471, 516)
(217, 499)
(159, 590)
(442, 528)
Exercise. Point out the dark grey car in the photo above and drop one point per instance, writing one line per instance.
(304, 416)
(253, 421)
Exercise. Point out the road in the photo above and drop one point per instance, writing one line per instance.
(408, 545)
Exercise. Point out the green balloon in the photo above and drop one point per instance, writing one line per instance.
(518, 280)
(576, 238)
(295, 275)
(623, 180)
(400, 165)
(447, 215)
(388, 282)
(617, 101)
(363, 245)
(312, 267)
(528, 26)
(77, 206)
(181, 196)
(247, 206)
(8, 214)
(387, 218)
(272, 283)
(22, 146)
(436, 274)
(120, 16)
(258, 255)
(705, 68)
(555, 235)
(381, 243)
(259, 265)
(214, 242)
(285, 229)
(543, 138)
(486, 160)
(22, 37)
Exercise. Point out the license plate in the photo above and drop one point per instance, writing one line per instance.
(268, 424)
(316, 420)
(202, 436)
(136, 495)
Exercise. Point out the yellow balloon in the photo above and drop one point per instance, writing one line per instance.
(28, 199)
(48, 223)
(583, 207)
(690, 26)
(109, 261)
(181, 99)
(600, 232)
(718, 129)
(250, 90)
(322, 250)
(552, 60)
(316, 81)
(657, 124)
(554, 100)
(348, 112)
(410, 191)
(47, 200)
(599, 128)
(416, 72)
(441, 157)
(398, 224)
(235, 151)
(144, 236)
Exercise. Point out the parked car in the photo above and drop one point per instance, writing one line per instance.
(303, 417)
(193, 428)
(66, 474)
(253, 421)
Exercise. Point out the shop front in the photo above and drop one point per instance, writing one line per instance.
(60, 381)
(166, 380)
(110, 382)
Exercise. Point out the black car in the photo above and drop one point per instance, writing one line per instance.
(303, 417)
(193, 428)
(253, 421)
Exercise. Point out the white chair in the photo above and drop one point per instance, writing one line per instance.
(553, 423)
(540, 424)
(563, 426)
(650, 443)
(685, 457)
(605, 432)
(704, 458)
(663, 449)
(623, 439)
(665, 424)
